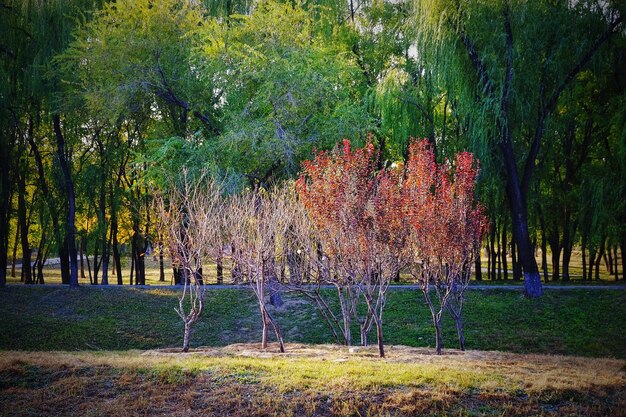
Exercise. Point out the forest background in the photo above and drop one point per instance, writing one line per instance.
(103, 104)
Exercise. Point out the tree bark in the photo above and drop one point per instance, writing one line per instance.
(70, 228)
(23, 220)
(505, 264)
(220, 268)
(15, 243)
(161, 263)
(478, 272)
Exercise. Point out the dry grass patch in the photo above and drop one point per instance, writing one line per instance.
(245, 380)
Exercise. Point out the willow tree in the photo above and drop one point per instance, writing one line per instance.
(287, 86)
(30, 110)
(515, 59)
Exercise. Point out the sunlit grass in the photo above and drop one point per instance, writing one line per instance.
(241, 380)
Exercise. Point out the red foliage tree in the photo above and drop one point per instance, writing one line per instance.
(357, 214)
(446, 227)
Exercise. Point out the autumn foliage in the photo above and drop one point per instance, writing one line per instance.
(371, 223)
(357, 213)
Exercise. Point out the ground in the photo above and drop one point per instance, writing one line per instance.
(243, 380)
(116, 351)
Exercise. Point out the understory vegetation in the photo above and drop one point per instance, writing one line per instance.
(568, 322)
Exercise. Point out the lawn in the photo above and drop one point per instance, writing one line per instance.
(325, 380)
(115, 351)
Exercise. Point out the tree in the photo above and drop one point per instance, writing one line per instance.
(190, 219)
(446, 228)
(357, 214)
(287, 87)
(513, 80)
(257, 222)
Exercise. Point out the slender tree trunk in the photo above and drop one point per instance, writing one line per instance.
(555, 247)
(584, 256)
(608, 260)
(615, 265)
(220, 268)
(186, 337)
(379, 336)
(6, 187)
(567, 257)
(15, 244)
(478, 273)
(505, 265)
(132, 263)
(459, 331)
(489, 267)
(438, 337)
(80, 256)
(499, 255)
(517, 268)
(89, 268)
(493, 251)
(96, 264)
(592, 258)
(117, 259)
(70, 230)
(622, 244)
(544, 248)
(23, 220)
(599, 259)
(161, 263)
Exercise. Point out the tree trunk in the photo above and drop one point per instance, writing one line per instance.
(584, 256)
(459, 330)
(489, 267)
(161, 263)
(80, 256)
(519, 221)
(220, 268)
(6, 183)
(592, 258)
(23, 220)
(186, 337)
(478, 273)
(438, 337)
(599, 259)
(493, 250)
(544, 248)
(499, 254)
(555, 247)
(505, 265)
(16, 242)
(615, 265)
(567, 257)
(132, 263)
(622, 244)
(379, 336)
(68, 185)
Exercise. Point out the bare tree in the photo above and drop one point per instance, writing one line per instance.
(258, 222)
(191, 220)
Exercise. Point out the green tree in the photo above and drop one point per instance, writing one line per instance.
(516, 60)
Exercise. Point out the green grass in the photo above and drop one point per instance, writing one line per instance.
(570, 322)
(98, 373)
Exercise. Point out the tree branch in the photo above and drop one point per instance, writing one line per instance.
(550, 106)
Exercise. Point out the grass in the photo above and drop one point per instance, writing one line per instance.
(241, 380)
(114, 351)
(572, 322)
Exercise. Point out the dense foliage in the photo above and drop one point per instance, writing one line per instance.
(103, 103)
